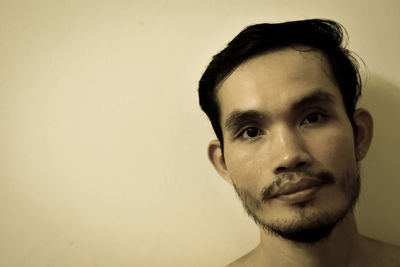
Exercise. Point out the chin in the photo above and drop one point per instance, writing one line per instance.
(307, 223)
(309, 229)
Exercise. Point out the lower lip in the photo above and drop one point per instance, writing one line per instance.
(300, 196)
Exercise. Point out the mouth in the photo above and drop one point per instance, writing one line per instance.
(301, 191)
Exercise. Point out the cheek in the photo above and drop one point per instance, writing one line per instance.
(244, 168)
(335, 150)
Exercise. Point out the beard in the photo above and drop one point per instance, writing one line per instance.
(312, 227)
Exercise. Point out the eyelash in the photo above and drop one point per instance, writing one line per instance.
(244, 131)
(321, 117)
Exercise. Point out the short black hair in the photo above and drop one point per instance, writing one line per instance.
(326, 36)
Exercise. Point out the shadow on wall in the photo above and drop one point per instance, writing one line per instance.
(378, 213)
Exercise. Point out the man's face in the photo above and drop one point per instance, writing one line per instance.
(288, 144)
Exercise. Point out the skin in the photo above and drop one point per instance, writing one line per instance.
(283, 134)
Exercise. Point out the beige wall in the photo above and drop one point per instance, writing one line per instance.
(103, 145)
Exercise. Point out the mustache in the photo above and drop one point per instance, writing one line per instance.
(323, 177)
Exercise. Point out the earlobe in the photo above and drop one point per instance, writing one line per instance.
(216, 157)
(364, 124)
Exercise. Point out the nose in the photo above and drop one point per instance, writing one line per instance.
(290, 151)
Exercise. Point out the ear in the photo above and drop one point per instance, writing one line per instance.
(216, 157)
(364, 124)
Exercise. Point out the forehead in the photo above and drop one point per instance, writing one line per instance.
(275, 80)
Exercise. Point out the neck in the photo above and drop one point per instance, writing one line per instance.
(340, 248)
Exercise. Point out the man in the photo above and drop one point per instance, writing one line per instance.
(281, 99)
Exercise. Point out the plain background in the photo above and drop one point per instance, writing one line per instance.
(103, 144)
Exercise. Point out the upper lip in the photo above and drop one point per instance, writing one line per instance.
(290, 187)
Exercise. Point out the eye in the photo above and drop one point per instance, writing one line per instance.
(312, 118)
(250, 132)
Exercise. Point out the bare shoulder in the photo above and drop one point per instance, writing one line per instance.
(384, 253)
(241, 262)
(244, 261)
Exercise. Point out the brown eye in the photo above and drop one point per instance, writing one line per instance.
(312, 118)
(252, 132)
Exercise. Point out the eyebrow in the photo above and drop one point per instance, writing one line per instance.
(238, 117)
(312, 99)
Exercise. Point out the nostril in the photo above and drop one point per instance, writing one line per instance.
(300, 164)
(280, 169)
